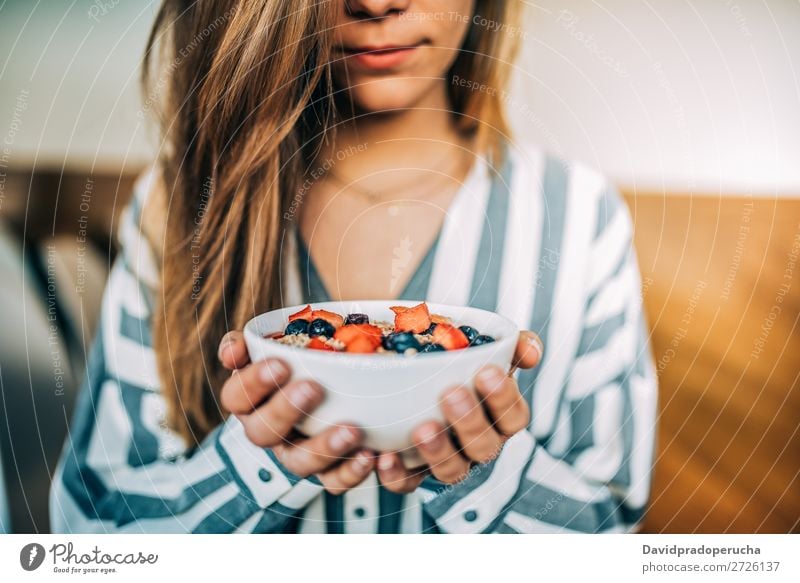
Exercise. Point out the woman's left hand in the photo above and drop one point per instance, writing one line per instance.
(477, 427)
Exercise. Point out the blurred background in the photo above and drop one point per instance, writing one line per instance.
(692, 108)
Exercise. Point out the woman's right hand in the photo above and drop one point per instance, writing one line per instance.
(269, 404)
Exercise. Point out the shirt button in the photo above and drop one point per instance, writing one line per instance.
(359, 512)
(470, 516)
(264, 475)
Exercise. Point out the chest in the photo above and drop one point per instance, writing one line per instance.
(370, 249)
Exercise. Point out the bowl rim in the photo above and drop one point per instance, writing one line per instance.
(329, 356)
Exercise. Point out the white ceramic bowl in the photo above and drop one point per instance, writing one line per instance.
(385, 395)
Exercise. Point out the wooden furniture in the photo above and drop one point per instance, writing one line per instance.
(721, 281)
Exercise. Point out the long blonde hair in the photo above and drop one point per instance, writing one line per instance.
(244, 101)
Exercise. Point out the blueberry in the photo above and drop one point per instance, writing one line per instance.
(356, 319)
(431, 328)
(400, 342)
(482, 339)
(297, 327)
(432, 347)
(470, 332)
(320, 327)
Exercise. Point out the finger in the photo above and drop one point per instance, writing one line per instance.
(395, 477)
(529, 350)
(479, 441)
(317, 454)
(438, 451)
(507, 408)
(348, 474)
(232, 352)
(249, 387)
(271, 422)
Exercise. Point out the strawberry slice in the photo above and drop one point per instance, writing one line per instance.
(439, 319)
(359, 338)
(361, 345)
(416, 319)
(346, 334)
(450, 337)
(331, 318)
(304, 314)
(317, 344)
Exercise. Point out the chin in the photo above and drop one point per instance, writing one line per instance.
(387, 94)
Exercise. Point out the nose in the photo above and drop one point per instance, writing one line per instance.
(375, 8)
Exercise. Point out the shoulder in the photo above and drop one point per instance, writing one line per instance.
(558, 175)
(141, 226)
(571, 188)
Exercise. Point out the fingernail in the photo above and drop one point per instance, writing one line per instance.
(386, 463)
(302, 395)
(272, 370)
(430, 439)
(363, 461)
(226, 341)
(343, 438)
(536, 344)
(459, 402)
(490, 378)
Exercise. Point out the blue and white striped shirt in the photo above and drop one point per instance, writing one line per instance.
(541, 242)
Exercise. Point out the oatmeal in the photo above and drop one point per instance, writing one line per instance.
(414, 331)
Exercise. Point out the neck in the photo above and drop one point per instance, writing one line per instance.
(420, 140)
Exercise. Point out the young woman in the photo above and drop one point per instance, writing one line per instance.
(343, 150)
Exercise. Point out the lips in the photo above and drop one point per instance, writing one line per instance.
(380, 57)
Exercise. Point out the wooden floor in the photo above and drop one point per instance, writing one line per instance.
(722, 293)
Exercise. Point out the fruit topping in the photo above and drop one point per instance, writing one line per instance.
(298, 326)
(450, 337)
(332, 318)
(400, 342)
(356, 319)
(416, 319)
(304, 314)
(470, 332)
(414, 330)
(317, 343)
(439, 319)
(432, 347)
(320, 327)
(359, 338)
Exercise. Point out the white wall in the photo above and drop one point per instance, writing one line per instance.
(699, 95)
(68, 74)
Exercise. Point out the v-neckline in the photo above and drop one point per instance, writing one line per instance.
(313, 288)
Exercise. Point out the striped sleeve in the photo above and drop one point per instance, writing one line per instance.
(591, 473)
(122, 469)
